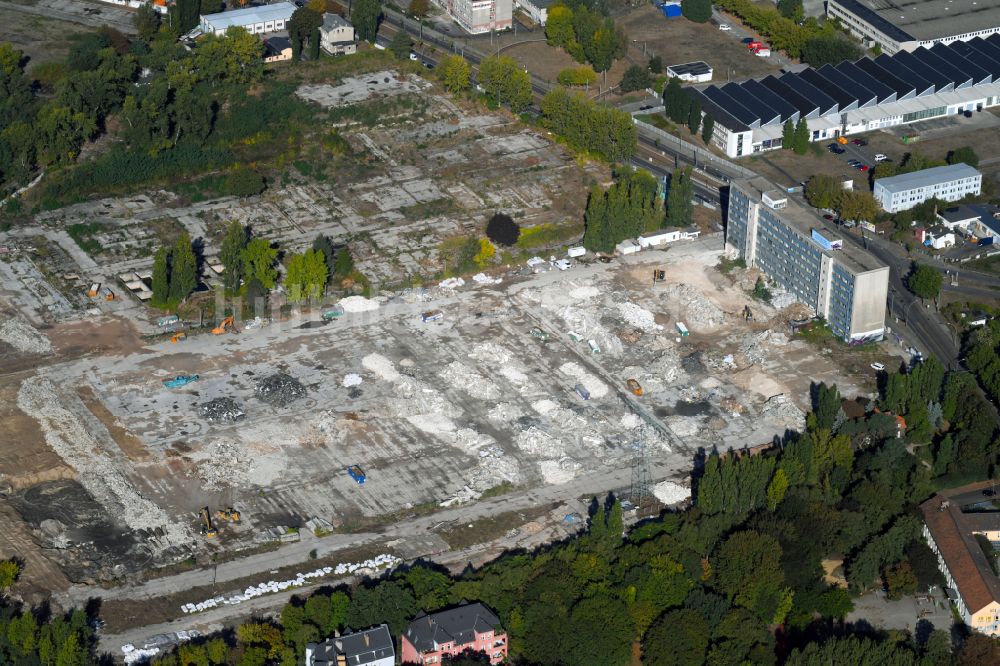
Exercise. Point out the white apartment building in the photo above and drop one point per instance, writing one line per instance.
(948, 183)
(480, 16)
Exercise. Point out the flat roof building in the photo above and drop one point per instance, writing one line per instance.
(792, 244)
(854, 97)
(480, 16)
(948, 183)
(255, 20)
(908, 24)
(698, 71)
(953, 519)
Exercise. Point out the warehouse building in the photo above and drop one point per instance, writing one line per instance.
(480, 16)
(949, 183)
(854, 97)
(698, 71)
(905, 26)
(792, 245)
(255, 20)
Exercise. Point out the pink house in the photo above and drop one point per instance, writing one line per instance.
(472, 627)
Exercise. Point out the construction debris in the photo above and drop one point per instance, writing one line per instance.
(22, 336)
(669, 492)
(700, 312)
(279, 390)
(352, 379)
(221, 410)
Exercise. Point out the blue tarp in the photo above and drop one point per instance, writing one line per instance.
(671, 11)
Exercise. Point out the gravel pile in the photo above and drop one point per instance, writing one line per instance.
(358, 304)
(636, 316)
(752, 348)
(221, 410)
(279, 390)
(20, 335)
(781, 410)
(669, 492)
(699, 311)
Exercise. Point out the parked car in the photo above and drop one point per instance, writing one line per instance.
(968, 114)
(562, 264)
(879, 157)
(853, 163)
(837, 150)
(828, 217)
(859, 142)
(878, 367)
(724, 27)
(864, 167)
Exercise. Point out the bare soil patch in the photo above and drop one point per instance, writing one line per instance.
(130, 445)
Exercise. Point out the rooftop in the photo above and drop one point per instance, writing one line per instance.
(458, 624)
(924, 20)
(360, 648)
(250, 15)
(926, 177)
(696, 67)
(951, 518)
(804, 220)
(331, 21)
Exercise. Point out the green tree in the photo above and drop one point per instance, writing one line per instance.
(302, 26)
(210, 7)
(146, 21)
(680, 210)
(184, 15)
(258, 262)
(344, 265)
(978, 650)
(776, 489)
(698, 11)
(454, 72)
(10, 571)
(306, 276)
(748, 570)
(505, 82)
(656, 64)
(678, 638)
(390, 602)
(707, 128)
(559, 27)
(791, 9)
(603, 632)
(244, 182)
(577, 76)
(900, 579)
(924, 281)
(676, 102)
(183, 269)
(694, 117)
(822, 190)
(365, 15)
(161, 277)
(596, 234)
(314, 43)
(788, 135)
(964, 155)
(856, 205)
(635, 78)
(800, 142)
(230, 254)
(831, 49)
(401, 45)
(418, 8)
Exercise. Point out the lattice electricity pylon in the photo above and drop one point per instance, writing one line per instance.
(642, 479)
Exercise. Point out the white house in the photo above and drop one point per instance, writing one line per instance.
(336, 35)
(948, 183)
(255, 20)
(627, 246)
(698, 71)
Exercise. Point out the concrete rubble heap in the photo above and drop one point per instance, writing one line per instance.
(221, 410)
(279, 390)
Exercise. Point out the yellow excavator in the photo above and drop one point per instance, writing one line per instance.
(228, 324)
(207, 528)
(229, 514)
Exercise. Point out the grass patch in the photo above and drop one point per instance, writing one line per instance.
(83, 235)
(492, 527)
(542, 235)
(725, 266)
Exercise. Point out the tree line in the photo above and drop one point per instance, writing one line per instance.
(827, 192)
(586, 33)
(686, 110)
(587, 126)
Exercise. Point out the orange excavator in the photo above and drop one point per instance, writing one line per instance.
(228, 324)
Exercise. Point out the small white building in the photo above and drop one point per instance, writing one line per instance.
(665, 236)
(627, 246)
(336, 35)
(536, 10)
(948, 183)
(698, 71)
(255, 20)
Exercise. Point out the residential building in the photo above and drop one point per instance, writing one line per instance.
(698, 71)
(978, 220)
(536, 10)
(429, 638)
(336, 35)
(479, 16)
(938, 237)
(907, 26)
(948, 183)
(371, 647)
(960, 524)
(277, 49)
(255, 20)
(792, 245)
(854, 97)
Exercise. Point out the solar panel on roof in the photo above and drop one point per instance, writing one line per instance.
(846, 100)
(761, 92)
(970, 54)
(962, 77)
(922, 85)
(807, 108)
(984, 50)
(955, 59)
(740, 112)
(883, 92)
(721, 115)
(827, 104)
(766, 114)
(902, 88)
(864, 96)
(941, 81)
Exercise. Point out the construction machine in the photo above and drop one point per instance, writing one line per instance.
(228, 324)
(230, 514)
(207, 528)
(747, 313)
(178, 336)
(634, 386)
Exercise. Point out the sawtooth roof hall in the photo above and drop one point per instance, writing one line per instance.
(854, 97)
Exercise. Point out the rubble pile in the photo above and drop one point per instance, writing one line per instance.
(279, 390)
(351, 379)
(783, 411)
(494, 468)
(559, 471)
(358, 304)
(669, 492)
(20, 335)
(699, 312)
(752, 348)
(221, 410)
(636, 316)
(463, 377)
